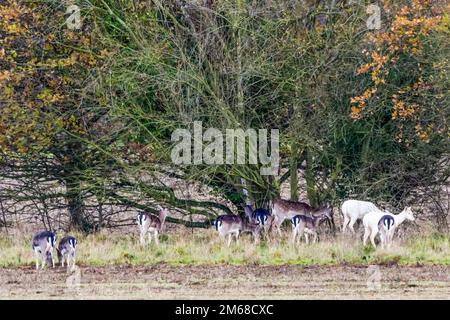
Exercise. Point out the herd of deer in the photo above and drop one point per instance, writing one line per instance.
(305, 221)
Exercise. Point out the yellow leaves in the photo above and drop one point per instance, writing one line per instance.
(14, 28)
(5, 76)
(444, 25)
(360, 102)
(10, 14)
(38, 66)
(424, 133)
(48, 97)
(405, 36)
(401, 110)
(356, 112)
(363, 69)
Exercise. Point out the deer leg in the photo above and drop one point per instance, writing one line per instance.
(156, 237)
(390, 237)
(222, 237)
(277, 224)
(69, 259)
(62, 260)
(306, 237)
(350, 225)
(37, 260)
(345, 223)
(44, 259)
(333, 225)
(366, 235)
(142, 239)
(229, 239)
(256, 236)
(372, 237)
(266, 231)
(382, 240)
(294, 234)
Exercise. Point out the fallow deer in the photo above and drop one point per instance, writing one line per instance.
(43, 244)
(354, 210)
(372, 219)
(234, 225)
(308, 224)
(287, 209)
(66, 251)
(150, 224)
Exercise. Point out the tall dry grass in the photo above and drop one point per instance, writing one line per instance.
(203, 247)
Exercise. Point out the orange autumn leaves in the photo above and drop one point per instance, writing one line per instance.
(40, 71)
(403, 39)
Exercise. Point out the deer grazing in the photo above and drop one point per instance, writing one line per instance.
(260, 216)
(317, 212)
(286, 209)
(43, 244)
(308, 224)
(264, 219)
(150, 224)
(354, 210)
(371, 223)
(386, 225)
(229, 225)
(66, 250)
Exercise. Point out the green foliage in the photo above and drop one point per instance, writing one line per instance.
(96, 107)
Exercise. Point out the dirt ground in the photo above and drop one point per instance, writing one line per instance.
(229, 282)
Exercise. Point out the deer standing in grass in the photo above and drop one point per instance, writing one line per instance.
(286, 209)
(308, 224)
(229, 225)
(372, 221)
(152, 225)
(43, 244)
(259, 216)
(354, 210)
(66, 251)
(386, 225)
(264, 219)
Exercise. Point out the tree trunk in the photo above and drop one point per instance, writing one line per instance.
(75, 206)
(293, 169)
(309, 176)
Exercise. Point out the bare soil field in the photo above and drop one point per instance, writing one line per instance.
(229, 282)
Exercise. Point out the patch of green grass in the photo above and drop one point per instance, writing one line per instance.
(204, 247)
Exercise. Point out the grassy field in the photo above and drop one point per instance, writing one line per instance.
(203, 247)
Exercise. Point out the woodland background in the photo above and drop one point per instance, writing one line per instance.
(87, 114)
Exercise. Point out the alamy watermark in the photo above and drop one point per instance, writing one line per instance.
(374, 278)
(374, 20)
(73, 282)
(73, 22)
(236, 146)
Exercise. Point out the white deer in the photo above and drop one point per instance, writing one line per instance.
(372, 219)
(354, 210)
